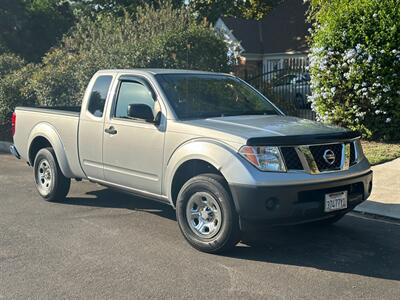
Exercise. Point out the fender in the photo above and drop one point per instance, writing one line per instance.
(47, 131)
(218, 154)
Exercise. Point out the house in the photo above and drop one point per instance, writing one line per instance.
(271, 43)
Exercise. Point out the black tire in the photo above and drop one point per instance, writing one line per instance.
(228, 234)
(329, 221)
(55, 188)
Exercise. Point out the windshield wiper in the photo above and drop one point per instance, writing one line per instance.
(206, 115)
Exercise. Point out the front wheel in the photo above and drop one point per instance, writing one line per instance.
(50, 181)
(206, 214)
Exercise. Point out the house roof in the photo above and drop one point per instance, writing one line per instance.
(282, 30)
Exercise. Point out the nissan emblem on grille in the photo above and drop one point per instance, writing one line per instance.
(329, 156)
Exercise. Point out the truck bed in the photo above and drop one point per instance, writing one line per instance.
(60, 122)
(62, 110)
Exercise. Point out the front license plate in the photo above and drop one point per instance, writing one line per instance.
(335, 201)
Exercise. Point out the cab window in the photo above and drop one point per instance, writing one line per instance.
(132, 93)
(98, 95)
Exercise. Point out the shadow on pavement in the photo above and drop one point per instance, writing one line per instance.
(354, 245)
(115, 199)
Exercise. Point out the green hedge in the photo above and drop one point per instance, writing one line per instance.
(355, 65)
(15, 91)
(14, 84)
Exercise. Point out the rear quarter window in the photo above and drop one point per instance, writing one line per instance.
(98, 95)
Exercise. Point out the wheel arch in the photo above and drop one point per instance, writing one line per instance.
(45, 135)
(199, 157)
(189, 169)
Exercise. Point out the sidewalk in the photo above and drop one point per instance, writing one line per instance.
(385, 197)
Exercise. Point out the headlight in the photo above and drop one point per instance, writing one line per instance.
(265, 158)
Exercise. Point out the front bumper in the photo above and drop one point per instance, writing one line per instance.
(265, 206)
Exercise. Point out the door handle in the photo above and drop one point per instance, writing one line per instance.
(111, 130)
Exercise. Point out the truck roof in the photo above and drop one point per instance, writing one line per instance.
(158, 71)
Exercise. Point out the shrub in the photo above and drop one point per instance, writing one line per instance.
(57, 82)
(14, 76)
(355, 65)
(153, 38)
(15, 91)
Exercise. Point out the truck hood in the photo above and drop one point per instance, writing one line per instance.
(247, 127)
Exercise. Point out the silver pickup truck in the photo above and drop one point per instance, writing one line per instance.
(208, 144)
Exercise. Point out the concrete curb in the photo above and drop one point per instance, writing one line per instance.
(389, 210)
(5, 147)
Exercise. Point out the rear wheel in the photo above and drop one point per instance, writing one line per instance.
(206, 214)
(50, 181)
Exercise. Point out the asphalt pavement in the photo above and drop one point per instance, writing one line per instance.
(103, 244)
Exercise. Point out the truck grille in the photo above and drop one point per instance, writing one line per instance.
(317, 153)
(291, 158)
(320, 152)
(353, 157)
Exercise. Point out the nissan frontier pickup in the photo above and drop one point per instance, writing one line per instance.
(210, 145)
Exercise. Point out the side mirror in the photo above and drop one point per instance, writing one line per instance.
(141, 111)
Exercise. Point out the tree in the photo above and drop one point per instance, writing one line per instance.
(10, 62)
(31, 27)
(153, 38)
(117, 7)
(209, 9)
(247, 9)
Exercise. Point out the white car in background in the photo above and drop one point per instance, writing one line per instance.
(293, 87)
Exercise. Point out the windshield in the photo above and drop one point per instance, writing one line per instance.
(195, 96)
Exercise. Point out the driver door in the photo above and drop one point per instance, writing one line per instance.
(133, 148)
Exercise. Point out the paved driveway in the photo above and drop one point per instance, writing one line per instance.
(104, 244)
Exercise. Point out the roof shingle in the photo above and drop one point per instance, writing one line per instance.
(283, 30)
